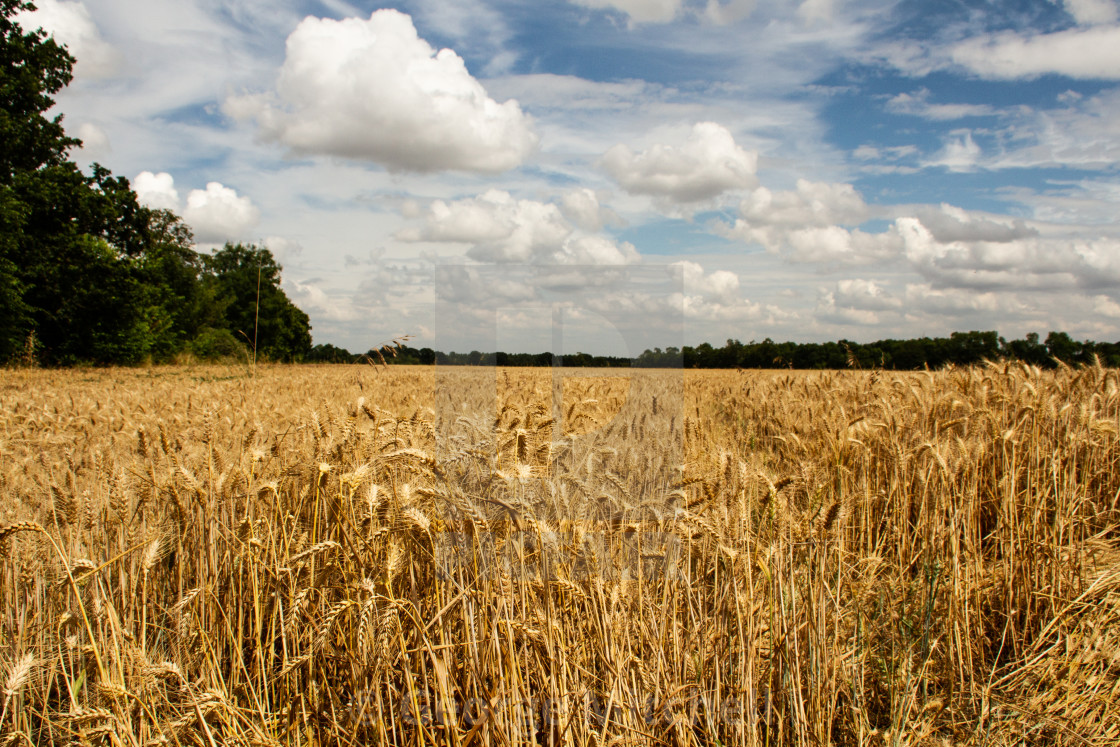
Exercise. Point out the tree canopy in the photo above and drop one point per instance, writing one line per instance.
(959, 349)
(88, 274)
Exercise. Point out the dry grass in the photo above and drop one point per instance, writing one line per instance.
(406, 556)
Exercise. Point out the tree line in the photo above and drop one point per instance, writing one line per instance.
(959, 349)
(87, 273)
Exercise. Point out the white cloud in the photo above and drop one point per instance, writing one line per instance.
(978, 253)
(215, 214)
(720, 286)
(918, 105)
(1091, 12)
(95, 143)
(1085, 133)
(857, 293)
(156, 190)
(881, 155)
(504, 229)
(809, 204)
(1106, 306)
(810, 224)
(595, 250)
(718, 12)
(284, 249)
(639, 11)
(701, 309)
(960, 153)
(218, 214)
(830, 310)
(314, 300)
(567, 93)
(824, 245)
(815, 11)
(836, 244)
(581, 206)
(927, 299)
(71, 25)
(949, 223)
(1085, 53)
(726, 12)
(374, 90)
(705, 166)
(1086, 202)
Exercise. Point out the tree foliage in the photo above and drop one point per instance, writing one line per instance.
(246, 279)
(86, 272)
(959, 349)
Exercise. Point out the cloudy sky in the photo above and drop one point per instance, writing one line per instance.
(631, 172)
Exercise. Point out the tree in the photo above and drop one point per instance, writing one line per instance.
(67, 240)
(1061, 346)
(232, 275)
(32, 69)
(175, 306)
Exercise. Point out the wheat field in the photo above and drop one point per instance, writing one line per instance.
(417, 556)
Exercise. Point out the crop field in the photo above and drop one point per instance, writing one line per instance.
(426, 556)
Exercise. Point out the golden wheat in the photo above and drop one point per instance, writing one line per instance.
(482, 556)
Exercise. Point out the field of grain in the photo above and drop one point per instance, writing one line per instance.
(407, 556)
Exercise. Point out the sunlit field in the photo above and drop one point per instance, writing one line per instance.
(414, 556)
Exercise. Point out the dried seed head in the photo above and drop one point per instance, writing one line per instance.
(18, 675)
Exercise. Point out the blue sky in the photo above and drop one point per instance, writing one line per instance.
(707, 169)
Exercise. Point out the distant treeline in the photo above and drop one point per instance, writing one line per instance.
(960, 349)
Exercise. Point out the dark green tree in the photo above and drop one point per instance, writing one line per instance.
(175, 306)
(1063, 347)
(232, 276)
(32, 70)
(67, 240)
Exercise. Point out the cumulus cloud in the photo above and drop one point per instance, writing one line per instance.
(832, 245)
(830, 310)
(869, 295)
(374, 90)
(504, 229)
(218, 214)
(313, 299)
(949, 223)
(701, 309)
(156, 190)
(708, 164)
(962, 250)
(812, 223)
(215, 214)
(720, 286)
(581, 206)
(71, 25)
(809, 204)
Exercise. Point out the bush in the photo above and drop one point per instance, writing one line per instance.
(214, 344)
